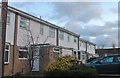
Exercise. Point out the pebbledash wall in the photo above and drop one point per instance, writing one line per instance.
(21, 27)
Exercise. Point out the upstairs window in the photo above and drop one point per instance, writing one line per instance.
(68, 38)
(7, 53)
(41, 29)
(23, 53)
(24, 22)
(52, 32)
(61, 35)
(8, 18)
(75, 40)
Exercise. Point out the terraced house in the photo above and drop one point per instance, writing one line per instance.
(25, 30)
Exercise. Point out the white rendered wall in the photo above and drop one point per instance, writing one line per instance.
(34, 27)
(66, 52)
(69, 44)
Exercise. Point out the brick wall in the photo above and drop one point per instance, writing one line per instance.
(20, 65)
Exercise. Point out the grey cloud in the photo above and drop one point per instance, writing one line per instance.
(78, 11)
(109, 29)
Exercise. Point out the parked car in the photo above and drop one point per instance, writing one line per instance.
(106, 65)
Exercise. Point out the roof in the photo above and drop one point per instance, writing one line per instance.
(87, 41)
(29, 16)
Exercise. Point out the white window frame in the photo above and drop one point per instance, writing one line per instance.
(68, 38)
(55, 50)
(41, 29)
(8, 53)
(61, 35)
(51, 32)
(8, 18)
(24, 22)
(82, 54)
(23, 50)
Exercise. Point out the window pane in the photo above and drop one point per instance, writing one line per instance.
(75, 53)
(118, 58)
(41, 29)
(68, 38)
(61, 35)
(79, 55)
(107, 60)
(56, 55)
(24, 22)
(23, 52)
(6, 56)
(56, 49)
(7, 47)
(75, 40)
(51, 32)
(6, 53)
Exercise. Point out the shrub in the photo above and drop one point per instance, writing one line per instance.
(62, 63)
(65, 68)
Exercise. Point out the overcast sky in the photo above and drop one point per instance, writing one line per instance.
(94, 21)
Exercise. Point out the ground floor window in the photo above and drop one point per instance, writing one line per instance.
(83, 55)
(7, 53)
(56, 52)
(23, 52)
(79, 55)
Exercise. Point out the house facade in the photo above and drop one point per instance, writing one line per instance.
(24, 30)
(86, 50)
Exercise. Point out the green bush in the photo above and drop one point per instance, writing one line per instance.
(62, 63)
(64, 67)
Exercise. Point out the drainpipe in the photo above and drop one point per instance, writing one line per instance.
(15, 42)
(57, 38)
(79, 42)
(86, 53)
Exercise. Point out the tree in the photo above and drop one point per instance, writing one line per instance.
(31, 45)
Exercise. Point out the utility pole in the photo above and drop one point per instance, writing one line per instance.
(3, 34)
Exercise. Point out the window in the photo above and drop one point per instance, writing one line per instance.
(75, 53)
(8, 18)
(56, 55)
(75, 40)
(24, 22)
(107, 60)
(41, 29)
(23, 52)
(118, 58)
(7, 52)
(79, 55)
(52, 32)
(61, 35)
(56, 50)
(68, 38)
(83, 55)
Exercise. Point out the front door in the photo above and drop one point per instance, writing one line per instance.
(36, 59)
